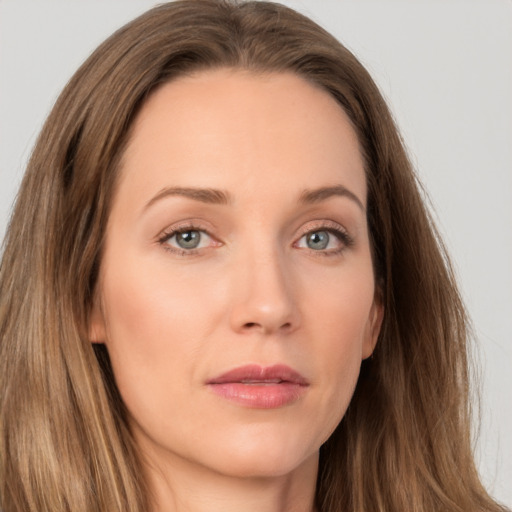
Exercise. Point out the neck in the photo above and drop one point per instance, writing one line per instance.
(182, 486)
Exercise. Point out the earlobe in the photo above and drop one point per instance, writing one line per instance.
(96, 324)
(373, 327)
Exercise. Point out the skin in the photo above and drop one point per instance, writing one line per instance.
(257, 289)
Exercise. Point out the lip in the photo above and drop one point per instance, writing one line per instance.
(260, 387)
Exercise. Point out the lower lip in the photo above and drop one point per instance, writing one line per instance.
(260, 396)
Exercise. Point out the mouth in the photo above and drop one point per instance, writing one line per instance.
(260, 387)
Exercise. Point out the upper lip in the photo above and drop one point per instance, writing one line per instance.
(253, 374)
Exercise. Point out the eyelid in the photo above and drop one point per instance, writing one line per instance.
(325, 225)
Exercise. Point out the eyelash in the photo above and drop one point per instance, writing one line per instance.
(330, 227)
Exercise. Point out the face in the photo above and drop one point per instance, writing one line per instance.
(236, 295)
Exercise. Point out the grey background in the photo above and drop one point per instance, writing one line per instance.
(445, 67)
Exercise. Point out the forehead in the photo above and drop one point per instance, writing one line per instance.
(238, 129)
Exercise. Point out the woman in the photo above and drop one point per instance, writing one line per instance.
(221, 239)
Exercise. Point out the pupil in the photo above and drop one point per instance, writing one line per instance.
(188, 239)
(318, 240)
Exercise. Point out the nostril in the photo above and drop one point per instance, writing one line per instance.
(253, 325)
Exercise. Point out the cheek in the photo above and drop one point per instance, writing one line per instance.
(156, 324)
(145, 304)
(339, 317)
(339, 311)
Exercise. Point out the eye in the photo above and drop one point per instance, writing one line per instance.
(186, 240)
(328, 241)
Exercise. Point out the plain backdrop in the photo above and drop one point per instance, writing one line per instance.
(445, 67)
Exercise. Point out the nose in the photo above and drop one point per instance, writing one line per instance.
(265, 298)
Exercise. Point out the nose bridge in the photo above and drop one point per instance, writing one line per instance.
(265, 299)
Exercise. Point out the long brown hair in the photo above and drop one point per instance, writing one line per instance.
(404, 443)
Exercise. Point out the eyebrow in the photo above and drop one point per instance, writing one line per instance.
(214, 196)
(204, 195)
(321, 194)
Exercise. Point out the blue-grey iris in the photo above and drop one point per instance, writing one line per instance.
(318, 240)
(188, 239)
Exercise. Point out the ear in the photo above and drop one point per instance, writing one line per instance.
(97, 329)
(373, 326)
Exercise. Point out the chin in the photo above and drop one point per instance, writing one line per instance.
(264, 454)
(265, 465)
